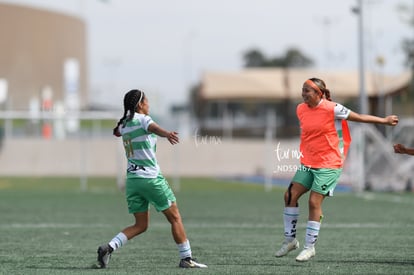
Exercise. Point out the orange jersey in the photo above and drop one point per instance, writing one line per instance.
(324, 139)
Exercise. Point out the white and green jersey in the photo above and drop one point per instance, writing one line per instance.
(140, 146)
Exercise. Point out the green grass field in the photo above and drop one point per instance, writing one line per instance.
(49, 226)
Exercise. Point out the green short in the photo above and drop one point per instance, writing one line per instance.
(320, 180)
(141, 192)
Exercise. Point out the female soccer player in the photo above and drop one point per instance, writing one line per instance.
(323, 143)
(145, 183)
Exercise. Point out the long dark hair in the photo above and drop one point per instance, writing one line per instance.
(131, 101)
(322, 86)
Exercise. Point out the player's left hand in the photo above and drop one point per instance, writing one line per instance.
(173, 138)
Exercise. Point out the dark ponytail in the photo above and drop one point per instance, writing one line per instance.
(131, 101)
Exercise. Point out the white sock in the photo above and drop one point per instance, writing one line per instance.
(290, 220)
(118, 241)
(184, 249)
(312, 232)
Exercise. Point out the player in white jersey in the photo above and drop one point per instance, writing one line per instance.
(145, 184)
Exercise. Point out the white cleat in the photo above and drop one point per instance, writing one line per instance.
(287, 247)
(306, 254)
(191, 263)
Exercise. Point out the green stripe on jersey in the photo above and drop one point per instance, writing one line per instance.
(136, 145)
(135, 133)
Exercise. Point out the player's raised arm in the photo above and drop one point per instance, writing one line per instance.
(391, 120)
(171, 136)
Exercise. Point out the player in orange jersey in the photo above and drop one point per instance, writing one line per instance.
(324, 142)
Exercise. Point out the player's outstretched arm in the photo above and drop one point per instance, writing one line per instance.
(391, 120)
(171, 136)
(401, 149)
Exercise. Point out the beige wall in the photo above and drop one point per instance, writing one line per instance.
(33, 46)
(208, 157)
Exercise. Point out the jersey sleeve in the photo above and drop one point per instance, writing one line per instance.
(146, 121)
(341, 112)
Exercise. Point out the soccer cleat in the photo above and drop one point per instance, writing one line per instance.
(190, 263)
(306, 254)
(287, 247)
(104, 254)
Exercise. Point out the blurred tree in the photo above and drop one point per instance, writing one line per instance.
(293, 58)
(408, 48)
(407, 45)
(406, 14)
(254, 58)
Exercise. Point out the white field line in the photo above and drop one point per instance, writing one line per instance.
(203, 225)
(379, 197)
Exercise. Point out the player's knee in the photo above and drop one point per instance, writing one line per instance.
(290, 198)
(314, 203)
(287, 197)
(140, 228)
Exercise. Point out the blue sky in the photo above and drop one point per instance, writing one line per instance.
(163, 46)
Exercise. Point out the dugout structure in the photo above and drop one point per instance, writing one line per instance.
(237, 103)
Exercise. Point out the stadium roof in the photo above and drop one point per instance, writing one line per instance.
(277, 83)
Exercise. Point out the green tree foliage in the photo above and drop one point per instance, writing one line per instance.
(292, 58)
(407, 44)
(408, 48)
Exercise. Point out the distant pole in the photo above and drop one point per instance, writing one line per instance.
(269, 135)
(363, 104)
(176, 168)
(381, 94)
(411, 52)
(83, 177)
